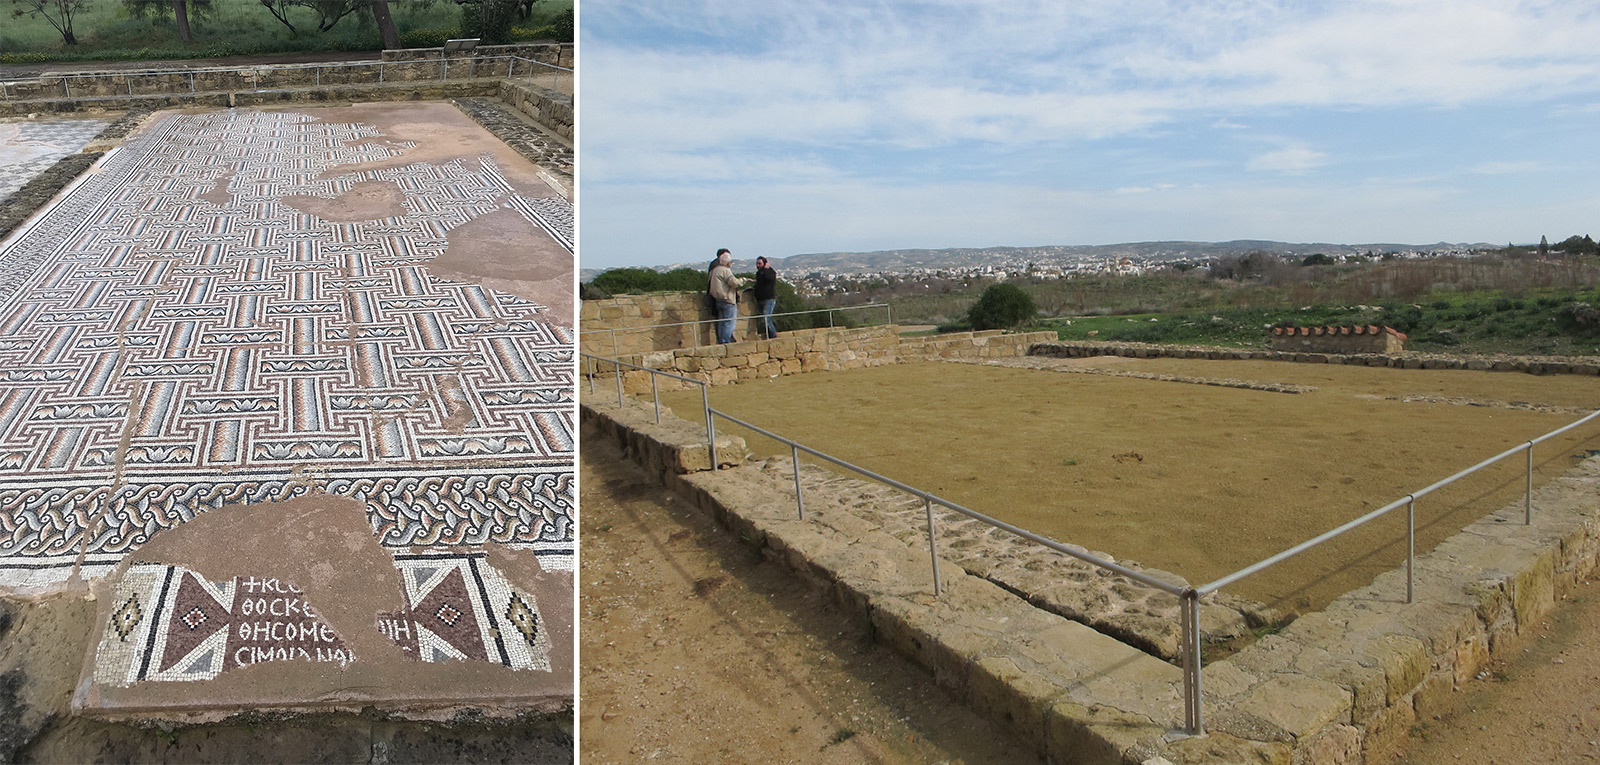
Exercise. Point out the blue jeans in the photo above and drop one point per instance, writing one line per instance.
(767, 307)
(725, 314)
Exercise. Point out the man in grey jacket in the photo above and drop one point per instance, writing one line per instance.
(724, 289)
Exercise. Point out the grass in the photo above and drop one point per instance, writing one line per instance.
(107, 31)
(1484, 321)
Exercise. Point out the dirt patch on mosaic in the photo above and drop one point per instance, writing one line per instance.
(535, 268)
(1224, 476)
(365, 200)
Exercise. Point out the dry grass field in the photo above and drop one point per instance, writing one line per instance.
(1193, 479)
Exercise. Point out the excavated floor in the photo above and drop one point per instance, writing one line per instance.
(288, 393)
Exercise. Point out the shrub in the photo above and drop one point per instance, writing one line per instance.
(1580, 317)
(1001, 306)
(428, 38)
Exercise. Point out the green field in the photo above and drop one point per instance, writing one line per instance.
(113, 30)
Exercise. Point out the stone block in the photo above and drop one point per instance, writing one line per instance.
(1385, 732)
(723, 376)
(770, 369)
(1469, 656)
(1433, 693)
(1339, 745)
(1533, 591)
(781, 347)
(1404, 663)
(790, 366)
(1001, 691)
(1289, 706)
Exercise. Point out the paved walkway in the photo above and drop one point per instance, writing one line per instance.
(256, 349)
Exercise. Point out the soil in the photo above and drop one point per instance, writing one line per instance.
(1194, 479)
(696, 649)
(1540, 705)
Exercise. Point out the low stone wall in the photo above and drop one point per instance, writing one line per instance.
(1537, 365)
(810, 350)
(560, 54)
(154, 89)
(403, 91)
(549, 108)
(1366, 338)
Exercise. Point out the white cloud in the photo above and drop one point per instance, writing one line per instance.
(1292, 160)
(1506, 168)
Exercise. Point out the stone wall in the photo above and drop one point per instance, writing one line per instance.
(810, 350)
(636, 319)
(1344, 340)
(1537, 365)
(547, 107)
(123, 89)
(560, 54)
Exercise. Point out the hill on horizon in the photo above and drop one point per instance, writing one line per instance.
(968, 257)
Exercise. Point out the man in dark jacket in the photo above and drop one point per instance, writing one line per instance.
(766, 295)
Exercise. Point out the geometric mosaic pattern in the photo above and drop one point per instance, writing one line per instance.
(460, 608)
(171, 624)
(174, 337)
(30, 148)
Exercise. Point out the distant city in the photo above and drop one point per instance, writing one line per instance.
(827, 273)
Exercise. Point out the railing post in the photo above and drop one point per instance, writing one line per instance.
(380, 72)
(830, 318)
(711, 427)
(191, 83)
(1194, 719)
(933, 547)
(1527, 491)
(591, 375)
(1411, 548)
(655, 395)
(617, 365)
(65, 88)
(799, 497)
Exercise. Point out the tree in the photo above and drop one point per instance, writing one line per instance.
(329, 12)
(488, 20)
(1001, 306)
(1317, 259)
(58, 12)
(181, 11)
(380, 13)
(1544, 246)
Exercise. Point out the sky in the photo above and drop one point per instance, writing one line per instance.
(784, 127)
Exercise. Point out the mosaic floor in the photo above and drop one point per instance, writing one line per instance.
(179, 334)
(28, 148)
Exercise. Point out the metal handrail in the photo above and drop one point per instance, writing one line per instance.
(1408, 499)
(1189, 605)
(64, 78)
(973, 514)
